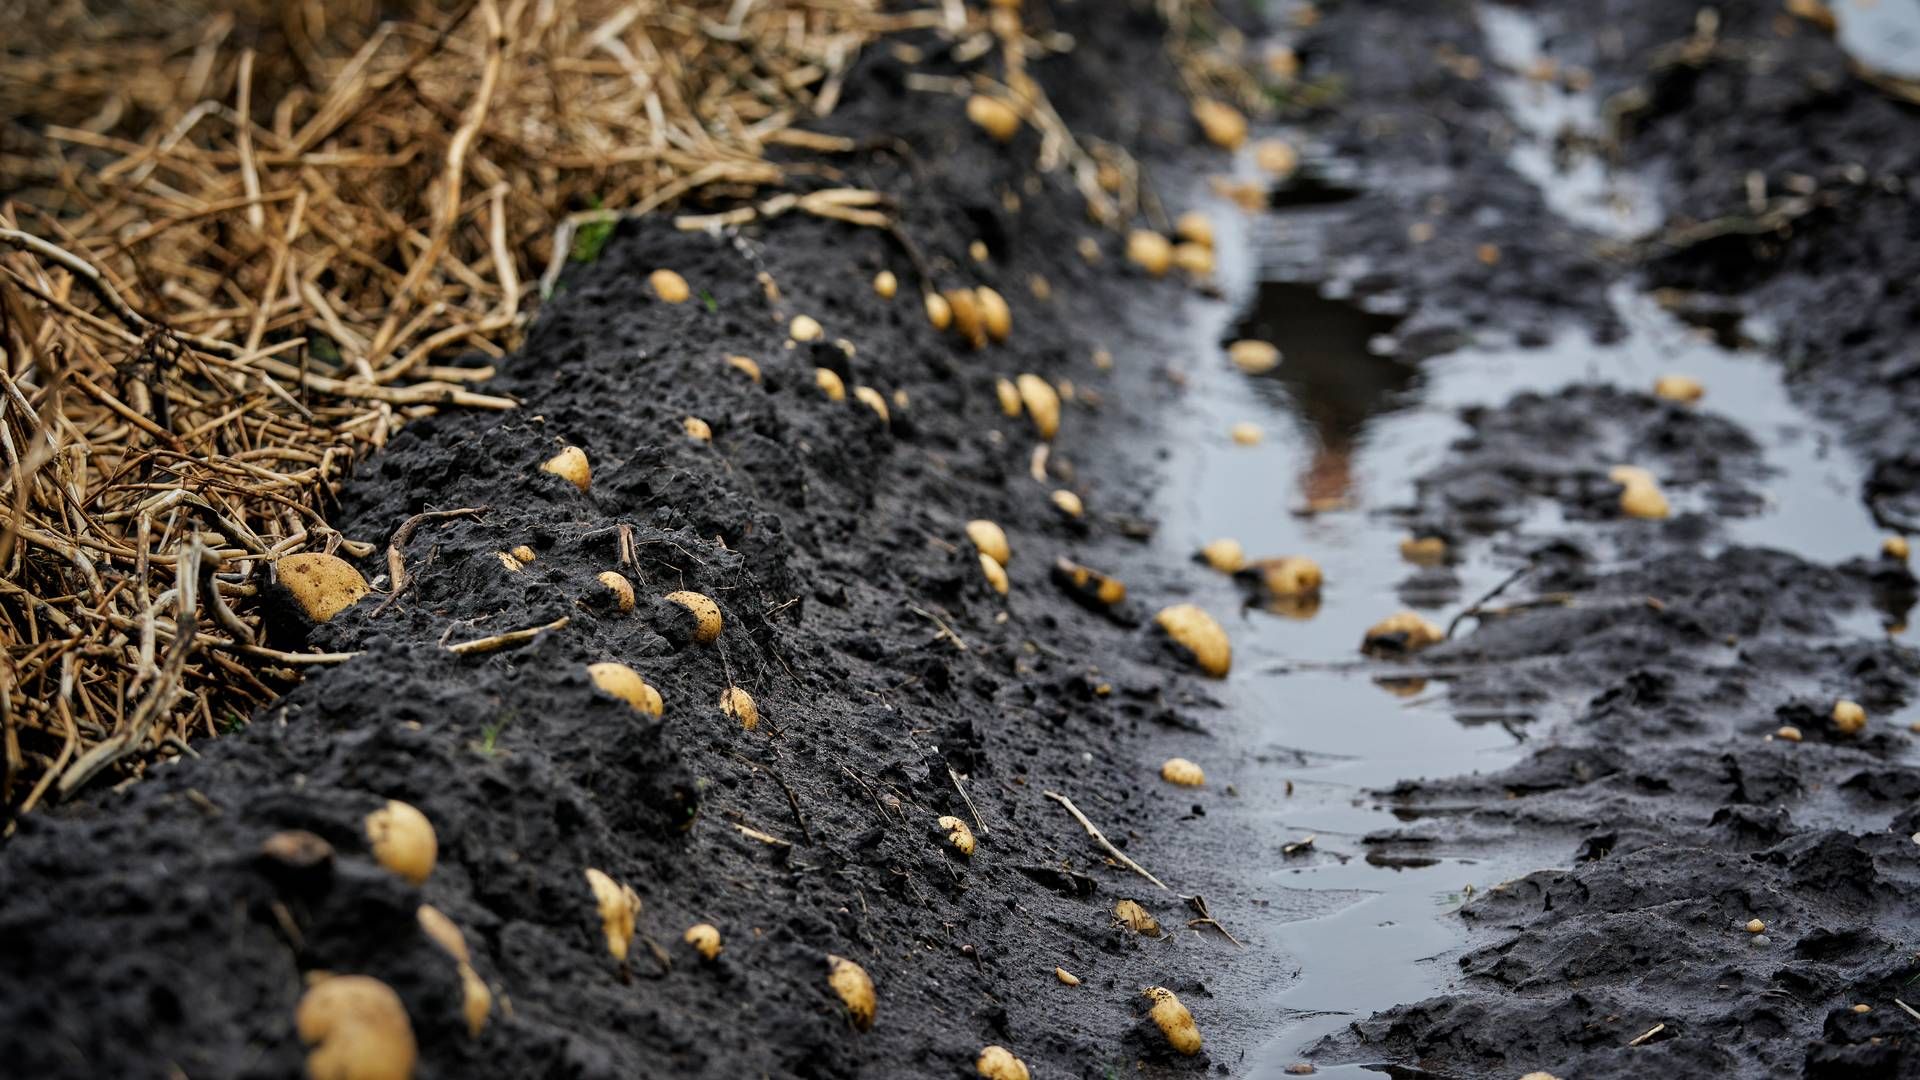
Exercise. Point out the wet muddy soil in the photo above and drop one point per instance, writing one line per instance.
(1538, 845)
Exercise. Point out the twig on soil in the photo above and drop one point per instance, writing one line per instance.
(1648, 1034)
(945, 630)
(1199, 904)
(1305, 843)
(1476, 607)
(396, 561)
(500, 641)
(1101, 839)
(765, 838)
(1908, 1008)
(978, 825)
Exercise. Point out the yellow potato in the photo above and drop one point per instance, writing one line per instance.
(697, 429)
(1195, 259)
(669, 286)
(990, 539)
(476, 1000)
(967, 319)
(1174, 1021)
(855, 987)
(1042, 402)
(885, 285)
(1895, 547)
(1755, 926)
(1403, 631)
(360, 1028)
(1253, 357)
(1009, 396)
(1065, 976)
(1068, 503)
(1682, 388)
(977, 251)
(323, 585)
(994, 313)
(1223, 124)
(1293, 575)
(868, 396)
(1136, 918)
(706, 614)
(403, 840)
(829, 383)
(804, 328)
(1643, 501)
(524, 553)
(998, 1063)
(745, 366)
(619, 907)
(571, 465)
(1788, 732)
(939, 312)
(1276, 157)
(995, 574)
(705, 939)
(435, 924)
(959, 837)
(993, 116)
(1423, 550)
(1200, 635)
(737, 704)
(1087, 583)
(1149, 251)
(1225, 555)
(626, 684)
(1247, 433)
(620, 587)
(1182, 772)
(1848, 717)
(1194, 228)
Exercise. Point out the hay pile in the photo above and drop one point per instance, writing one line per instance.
(240, 241)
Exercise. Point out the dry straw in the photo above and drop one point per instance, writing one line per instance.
(241, 239)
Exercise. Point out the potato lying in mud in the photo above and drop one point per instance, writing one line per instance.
(697, 429)
(939, 312)
(995, 574)
(1173, 1019)
(1088, 586)
(745, 365)
(1149, 251)
(571, 465)
(1276, 157)
(626, 684)
(868, 396)
(1253, 357)
(618, 587)
(619, 907)
(1194, 228)
(1848, 717)
(1009, 396)
(403, 840)
(830, 384)
(998, 1063)
(995, 315)
(1289, 575)
(737, 704)
(705, 939)
(1896, 547)
(1200, 636)
(360, 1028)
(322, 585)
(1225, 555)
(1068, 503)
(1640, 495)
(805, 328)
(707, 621)
(1182, 772)
(1400, 633)
(1042, 402)
(855, 987)
(885, 285)
(1682, 388)
(1195, 259)
(1223, 125)
(1136, 918)
(990, 540)
(958, 836)
(1424, 550)
(995, 117)
(669, 286)
(968, 322)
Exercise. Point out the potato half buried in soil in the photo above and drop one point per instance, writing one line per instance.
(1173, 1020)
(669, 286)
(1009, 396)
(403, 840)
(995, 315)
(1087, 586)
(707, 621)
(1198, 634)
(360, 1028)
(1042, 402)
(993, 116)
(1225, 555)
(571, 465)
(958, 836)
(619, 907)
(1194, 228)
(1136, 918)
(1183, 772)
(998, 1063)
(855, 987)
(1149, 251)
(737, 704)
(618, 587)
(1401, 633)
(1287, 576)
(1223, 125)
(1424, 550)
(990, 540)
(967, 319)
(1848, 717)
(995, 574)
(626, 684)
(705, 939)
(322, 585)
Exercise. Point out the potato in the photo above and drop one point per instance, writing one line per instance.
(1182, 772)
(1253, 357)
(697, 429)
(995, 574)
(939, 312)
(403, 840)
(1068, 503)
(1200, 635)
(1042, 402)
(994, 313)
(444, 933)
(868, 396)
(885, 285)
(705, 939)
(1403, 631)
(998, 1063)
(1755, 926)
(1065, 976)
(1136, 918)
(967, 320)
(1682, 388)
(977, 251)
(323, 585)
(1225, 555)
(1643, 501)
(619, 906)
(571, 465)
(1247, 433)
(706, 614)
(1195, 259)
(959, 837)
(745, 366)
(1292, 575)
(1788, 733)
(1089, 249)
(1194, 228)
(1009, 396)
(804, 328)
(1895, 547)
(1087, 584)
(1423, 550)
(1276, 157)
(1848, 717)
(1223, 125)
(737, 704)
(620, 587)
(829, 383)
(1174, 1021)
(626, 684)
(524, 553)
(669, 286)
(360, 1028)
(990, 539)
(476, 1000)
(855, 988)
(1149, 251)
(993, 116)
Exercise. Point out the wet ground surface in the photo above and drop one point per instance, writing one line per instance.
(1534, 846)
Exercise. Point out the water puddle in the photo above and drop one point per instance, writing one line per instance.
(1883, 35)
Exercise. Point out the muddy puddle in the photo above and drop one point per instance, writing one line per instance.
(1309, 728)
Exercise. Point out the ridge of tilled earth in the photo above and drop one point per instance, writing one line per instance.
(142, 934)
(1683, 815)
